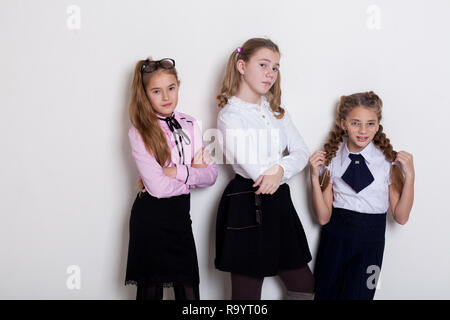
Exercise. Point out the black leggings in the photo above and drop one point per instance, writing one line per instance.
(249, 288)
(156, 293)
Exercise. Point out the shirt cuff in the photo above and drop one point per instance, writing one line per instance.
(182, 173)
(284, 168)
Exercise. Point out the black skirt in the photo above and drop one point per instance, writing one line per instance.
(258, 237)
(161, 250)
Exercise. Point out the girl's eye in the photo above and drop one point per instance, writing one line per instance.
(262, 65)
(172, 88)
(155, 91)
(275, 69)
(354, 123)
(371, 124)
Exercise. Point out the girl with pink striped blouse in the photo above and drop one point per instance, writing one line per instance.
(167, 147)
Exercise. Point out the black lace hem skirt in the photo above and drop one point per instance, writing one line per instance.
(161, 248)
(258, 237)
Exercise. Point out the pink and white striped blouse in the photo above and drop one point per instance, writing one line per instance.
(155, 181)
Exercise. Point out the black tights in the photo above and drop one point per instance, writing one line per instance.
(155, 292)
(249, 288)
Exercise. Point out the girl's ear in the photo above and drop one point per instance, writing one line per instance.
(343, 124)
(240, 65)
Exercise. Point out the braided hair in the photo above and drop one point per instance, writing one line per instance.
(335, 138)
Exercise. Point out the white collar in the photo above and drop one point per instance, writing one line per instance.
(239, 102)
(368, 152)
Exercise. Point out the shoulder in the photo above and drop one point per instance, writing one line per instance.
(266, 105)
(133, 132)
(287, 116)
(380, 158)
(336, 161)
(185, 117)
(134, 136)
(234, 104)
(230, 112)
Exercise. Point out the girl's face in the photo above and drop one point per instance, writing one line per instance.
(261, 71)
(162, 91)
(361, 125)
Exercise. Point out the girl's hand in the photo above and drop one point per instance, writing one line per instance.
(406, 160)
(316, 161)
(171, 172)
(201, 159)
(270, 180)
(207, 157)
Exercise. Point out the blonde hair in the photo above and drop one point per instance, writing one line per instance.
(231, 79)
(335, 138)
(144, 118)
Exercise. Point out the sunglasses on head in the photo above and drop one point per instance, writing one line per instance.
(150, 65)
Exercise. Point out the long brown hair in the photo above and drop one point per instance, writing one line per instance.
(144, 118)
(231, 79)
(335, 138)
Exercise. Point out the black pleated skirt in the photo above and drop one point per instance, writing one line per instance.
(350, 255)
(161, 249)
(258, 237)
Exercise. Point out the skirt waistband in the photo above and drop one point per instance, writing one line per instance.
(247, 184)
(179, 198)
(242, 179)
(361, 218)
(352, 224)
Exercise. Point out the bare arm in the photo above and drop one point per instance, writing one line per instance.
(401, 204)
(322, 201)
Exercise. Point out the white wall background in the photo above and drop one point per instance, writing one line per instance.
(67, 175)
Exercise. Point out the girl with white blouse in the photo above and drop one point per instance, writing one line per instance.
(258, 231)
(357, 185)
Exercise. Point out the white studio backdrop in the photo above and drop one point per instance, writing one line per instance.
(67, 174)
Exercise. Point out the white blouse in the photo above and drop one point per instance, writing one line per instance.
(255, 140)
(372, 199)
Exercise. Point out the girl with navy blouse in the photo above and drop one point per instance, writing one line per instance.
(355, 179)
